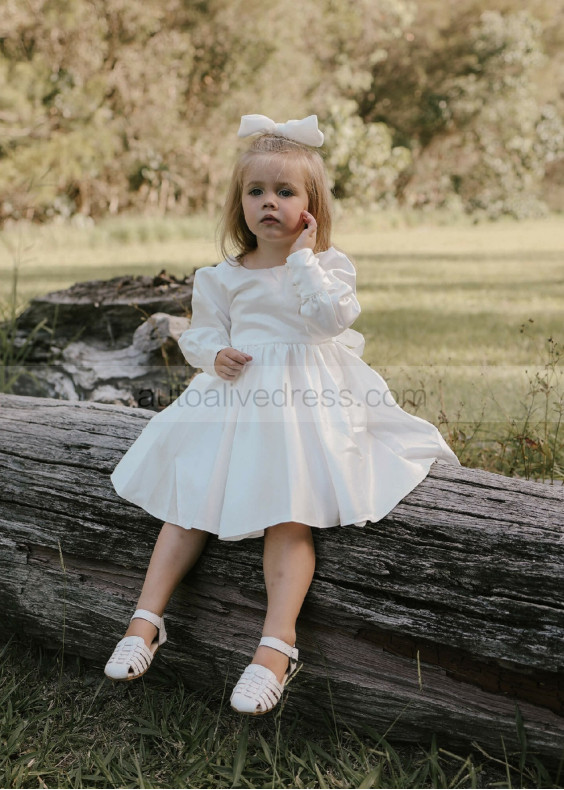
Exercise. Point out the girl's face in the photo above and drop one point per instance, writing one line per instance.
(274, 196)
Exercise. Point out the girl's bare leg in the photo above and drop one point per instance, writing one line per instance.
(289, 564)
(175, 552)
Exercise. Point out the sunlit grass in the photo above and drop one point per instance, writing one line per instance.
(55, 256)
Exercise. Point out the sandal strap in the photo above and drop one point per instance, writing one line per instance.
(280, 645)
(260, 685)
(131, 654)
(158, 622)
(129, 646)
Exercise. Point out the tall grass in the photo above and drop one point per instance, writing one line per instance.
(528, 444)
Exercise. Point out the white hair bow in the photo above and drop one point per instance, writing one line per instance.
(303, 131)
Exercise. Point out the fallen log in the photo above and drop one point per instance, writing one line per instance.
(444, 617)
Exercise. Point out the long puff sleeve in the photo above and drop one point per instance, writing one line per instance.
(327, 290)
(210, 325)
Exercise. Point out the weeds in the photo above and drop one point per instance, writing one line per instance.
(531, 446)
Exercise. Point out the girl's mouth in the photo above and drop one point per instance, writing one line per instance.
(268, 220)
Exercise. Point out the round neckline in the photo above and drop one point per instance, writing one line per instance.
(263, 268)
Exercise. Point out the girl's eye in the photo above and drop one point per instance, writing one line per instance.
(255, 191)
(286, 192)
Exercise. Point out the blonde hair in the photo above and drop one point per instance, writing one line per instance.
(233, 231)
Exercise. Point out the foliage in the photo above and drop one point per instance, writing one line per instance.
(108, 106)
(465, 96)
(364, 163)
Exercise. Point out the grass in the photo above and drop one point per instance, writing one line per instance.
(62, 724)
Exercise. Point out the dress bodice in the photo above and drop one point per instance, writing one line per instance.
(309, 299)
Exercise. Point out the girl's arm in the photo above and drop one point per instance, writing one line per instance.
(327, 290)
(210, 325)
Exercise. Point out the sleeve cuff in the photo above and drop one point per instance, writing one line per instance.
(307, 274)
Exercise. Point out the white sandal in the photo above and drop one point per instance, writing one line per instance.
(131, 657)
(258, 689)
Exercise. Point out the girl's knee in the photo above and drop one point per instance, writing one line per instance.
(289, 528)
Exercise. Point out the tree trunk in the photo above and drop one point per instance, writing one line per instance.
(444, 617)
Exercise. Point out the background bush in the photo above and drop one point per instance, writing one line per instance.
(108, 106)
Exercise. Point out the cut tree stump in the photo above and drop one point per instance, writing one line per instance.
(110, 341)
(445, 617)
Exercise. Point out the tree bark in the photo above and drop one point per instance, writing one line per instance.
(444, 617)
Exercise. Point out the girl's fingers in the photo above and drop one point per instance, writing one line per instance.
(311, 229)
(310, 220)
(308, 235)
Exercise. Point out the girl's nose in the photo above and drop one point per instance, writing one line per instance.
(268, 200)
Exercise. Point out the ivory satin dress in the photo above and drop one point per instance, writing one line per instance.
(307, 432)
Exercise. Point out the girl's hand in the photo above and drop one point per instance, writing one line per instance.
(229, 362)
(308, 236)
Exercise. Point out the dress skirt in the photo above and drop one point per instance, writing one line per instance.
(308, 432)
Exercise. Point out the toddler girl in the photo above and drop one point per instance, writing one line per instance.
(287, 428)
